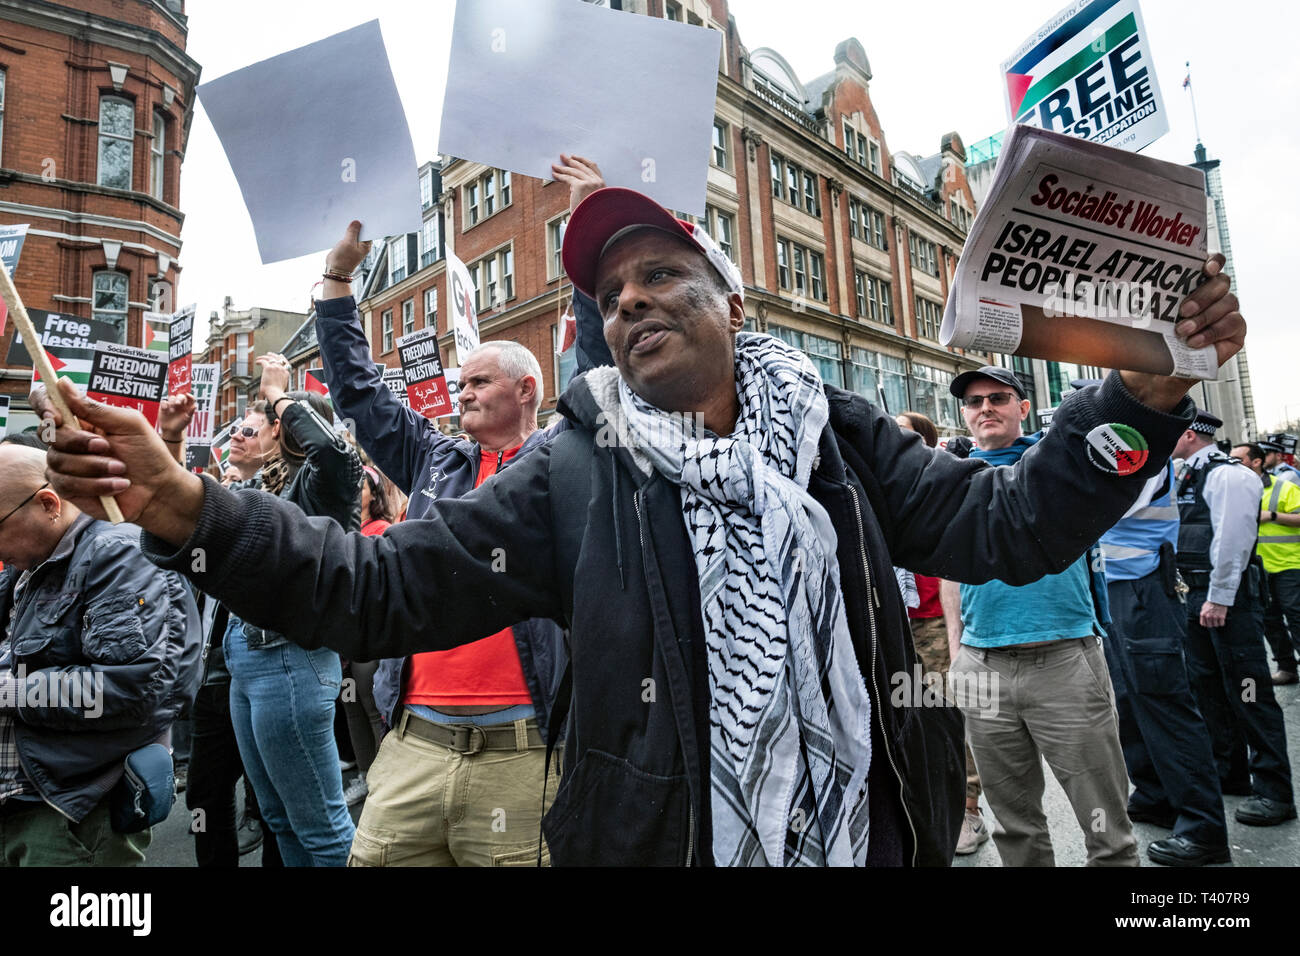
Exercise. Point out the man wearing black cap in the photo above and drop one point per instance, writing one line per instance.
(714, 531)
(1218, 509)
(1031, 675)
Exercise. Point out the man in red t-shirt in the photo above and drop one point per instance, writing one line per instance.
(460, 779)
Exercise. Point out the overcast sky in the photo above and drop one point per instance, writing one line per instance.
(935, 68)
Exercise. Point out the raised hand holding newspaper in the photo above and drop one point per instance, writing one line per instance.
(1083, 253)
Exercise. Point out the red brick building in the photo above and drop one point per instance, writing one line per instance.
(96, 100)
(847, 249)
(236, 337)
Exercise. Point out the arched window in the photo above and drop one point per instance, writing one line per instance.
(116, 132)
(110, 300)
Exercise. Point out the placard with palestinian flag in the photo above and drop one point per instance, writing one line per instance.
(198, 436)
(221, 449)
(128, 378)
(1088, 72)
(426, 383)
(4, 415)
(313, 380)
(155, 331)
(68, 337)
(180, 349)
(69, 361)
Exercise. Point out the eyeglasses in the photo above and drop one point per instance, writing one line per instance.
(24, 502)
(248, 431)
(997, 399)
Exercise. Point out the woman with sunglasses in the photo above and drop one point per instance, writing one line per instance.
(215, 766)
(282, 696)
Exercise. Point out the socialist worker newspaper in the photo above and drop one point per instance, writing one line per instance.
(1082, 253)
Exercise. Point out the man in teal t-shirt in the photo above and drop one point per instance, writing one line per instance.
(1030, 675)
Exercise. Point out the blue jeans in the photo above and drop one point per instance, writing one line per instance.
(282, 708)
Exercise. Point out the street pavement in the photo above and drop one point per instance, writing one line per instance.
(173, 846)
(1251, 846)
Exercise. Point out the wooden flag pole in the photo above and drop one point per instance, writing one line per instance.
(42, 363)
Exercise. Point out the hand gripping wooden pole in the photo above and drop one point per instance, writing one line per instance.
(42, 362)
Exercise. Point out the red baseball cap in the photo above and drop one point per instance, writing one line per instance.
(607, 214)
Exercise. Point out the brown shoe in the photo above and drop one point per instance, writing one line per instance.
(1285, 677)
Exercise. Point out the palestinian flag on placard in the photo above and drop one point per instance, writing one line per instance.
(221, 448)
(157, 331)
(313, 380)
(73, 364)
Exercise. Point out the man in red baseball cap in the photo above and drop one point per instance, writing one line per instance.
(713, 530)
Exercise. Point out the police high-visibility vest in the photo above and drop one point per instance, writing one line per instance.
(1132, 547)
(1279, 545)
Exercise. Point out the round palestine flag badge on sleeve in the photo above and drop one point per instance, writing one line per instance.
(1117, 449)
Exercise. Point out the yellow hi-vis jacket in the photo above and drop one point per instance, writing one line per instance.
(1279, 545)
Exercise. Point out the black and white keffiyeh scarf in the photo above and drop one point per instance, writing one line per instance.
(789, 714)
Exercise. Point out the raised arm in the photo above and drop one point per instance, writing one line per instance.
(583, 178)
(332, 468)
(966, 521)
(475, 565)
(391, 433)
(174, 416)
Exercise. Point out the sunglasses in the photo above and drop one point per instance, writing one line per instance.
(24, 502)
(248, 431)
(997, 399)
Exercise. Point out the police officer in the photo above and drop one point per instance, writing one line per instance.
(1279, 551)
(1218, 506)
(1275, 452)
(1166, 745)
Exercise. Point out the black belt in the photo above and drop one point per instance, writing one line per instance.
(470, 738)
